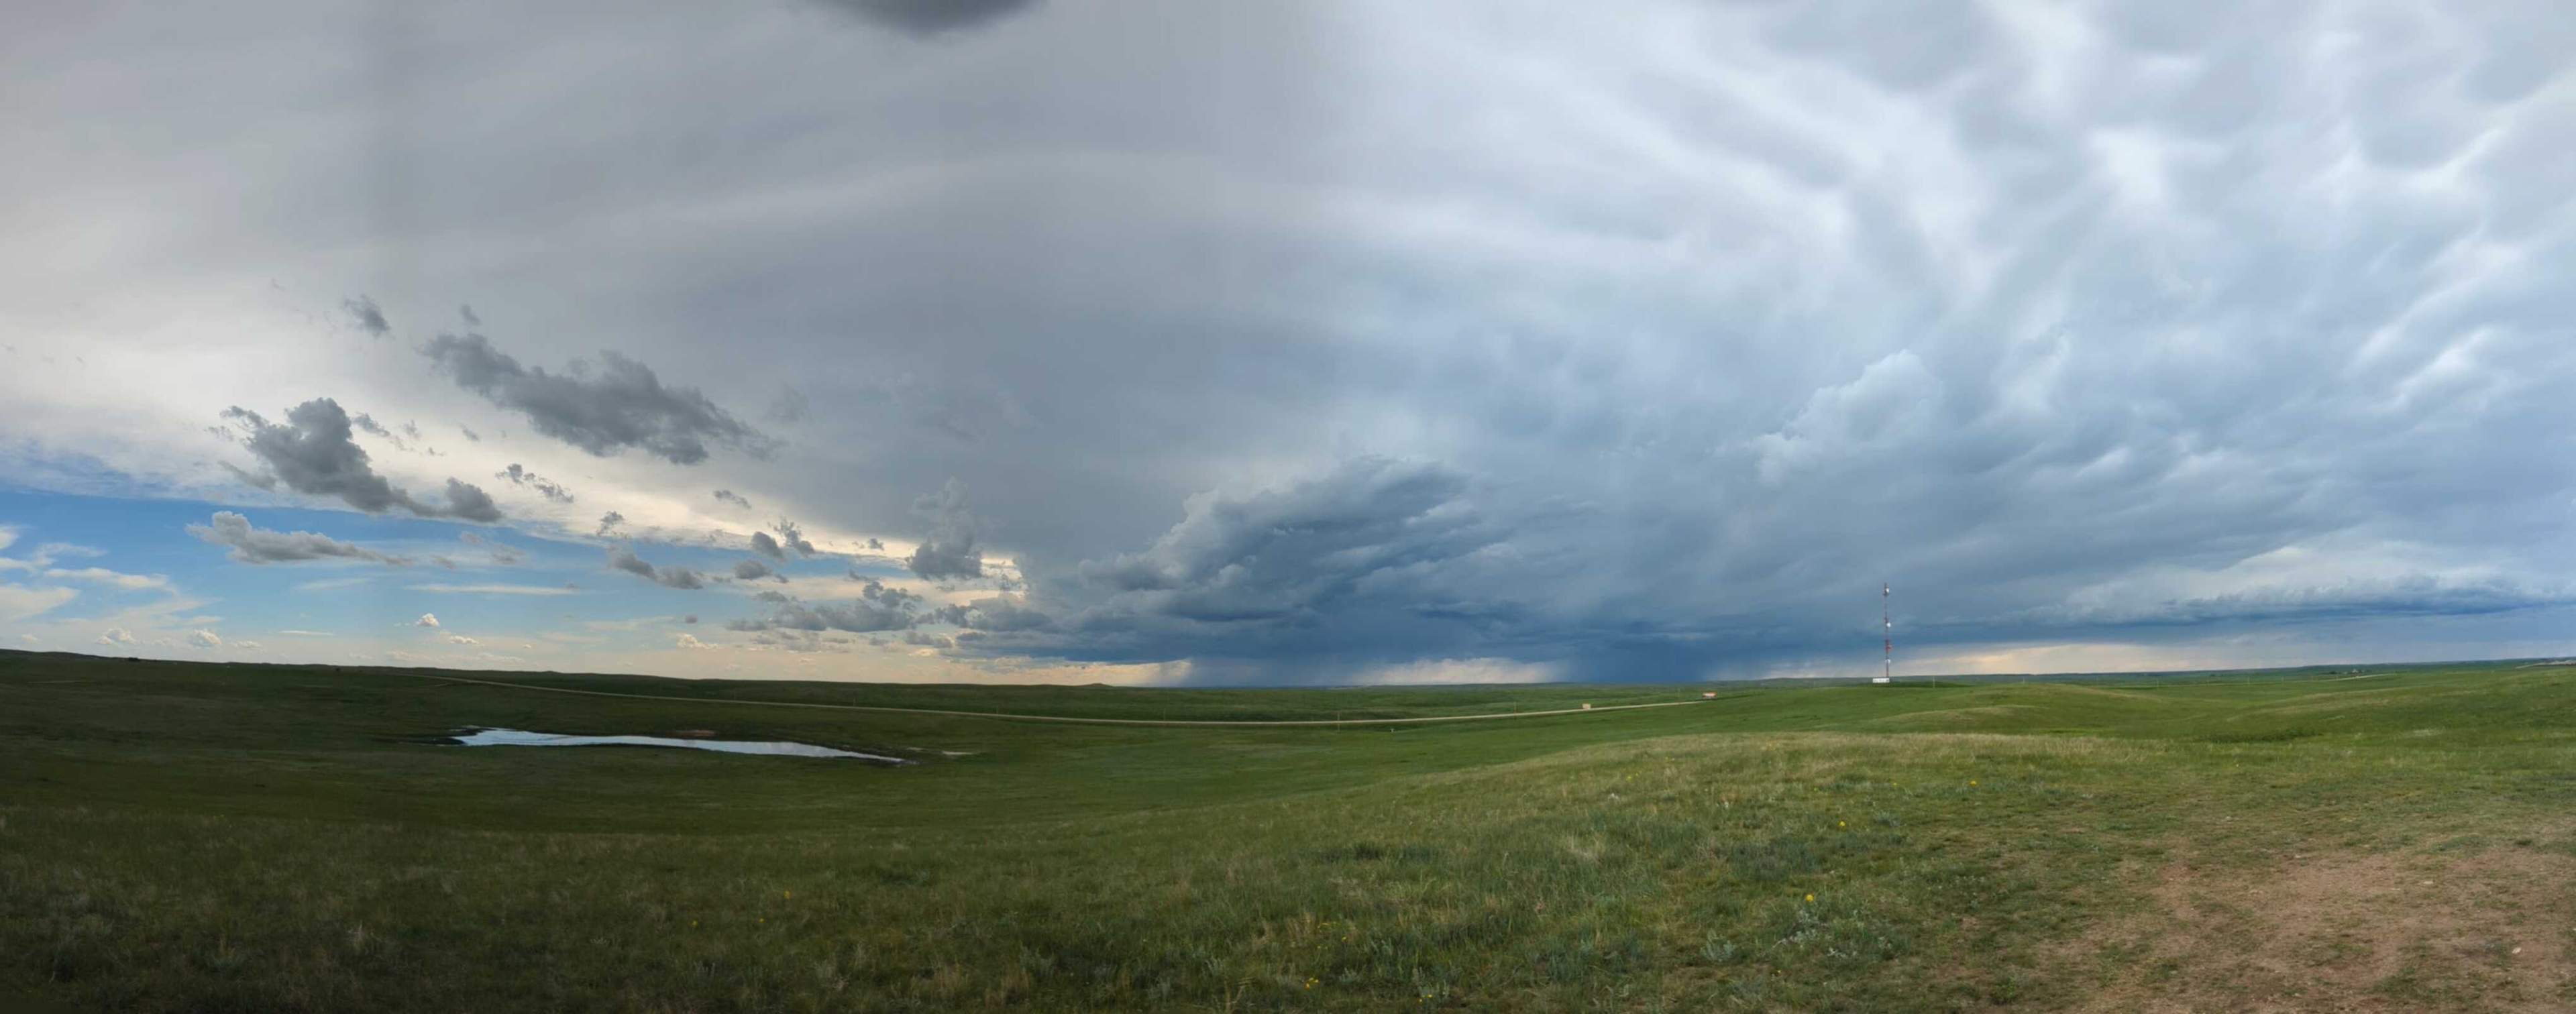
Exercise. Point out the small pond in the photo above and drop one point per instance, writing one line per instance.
(522, 737)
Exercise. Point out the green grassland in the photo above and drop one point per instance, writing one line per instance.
(198, 837)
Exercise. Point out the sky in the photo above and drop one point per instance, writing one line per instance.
(1170, 342)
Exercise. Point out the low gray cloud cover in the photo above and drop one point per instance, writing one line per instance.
(1339, 339)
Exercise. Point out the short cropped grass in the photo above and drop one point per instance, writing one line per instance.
(208, 838)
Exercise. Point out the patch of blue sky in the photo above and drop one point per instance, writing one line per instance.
(546, 585)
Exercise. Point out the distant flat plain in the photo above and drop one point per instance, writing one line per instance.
(192, 837)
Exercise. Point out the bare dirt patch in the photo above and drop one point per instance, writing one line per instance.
(2486, 929)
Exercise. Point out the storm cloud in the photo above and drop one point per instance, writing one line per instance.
(603, 409)
(1341, 341)
(1376, 556)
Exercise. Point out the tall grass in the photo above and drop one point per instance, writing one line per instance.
(223, 839)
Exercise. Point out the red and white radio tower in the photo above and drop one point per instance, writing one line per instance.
(1888, 627)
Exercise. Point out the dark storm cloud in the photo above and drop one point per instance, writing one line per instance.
(754, 570)
(255, 545)
(545, 487)
(603, 410)
(929, 17)
(731, 497)
(2125, 322)
(1377, 557)
(622, 558)
(368, 316)
(312, 453)
(609, 522)
(949, 553)
(764, 545)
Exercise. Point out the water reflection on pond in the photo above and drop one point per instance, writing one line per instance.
(522, 737)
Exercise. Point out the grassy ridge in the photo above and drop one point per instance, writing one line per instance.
(195, 837)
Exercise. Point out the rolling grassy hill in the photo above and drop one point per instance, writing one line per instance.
(211, 837)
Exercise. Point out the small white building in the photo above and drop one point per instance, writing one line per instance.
(1878, 679)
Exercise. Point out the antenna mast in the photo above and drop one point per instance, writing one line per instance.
(1886, 626)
